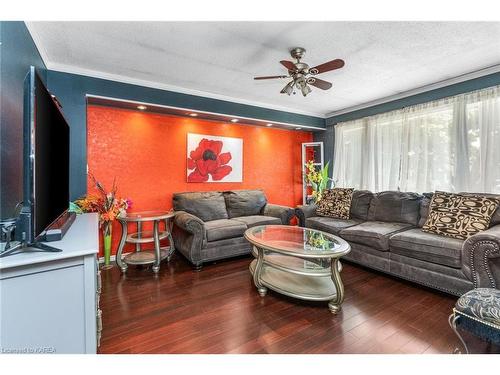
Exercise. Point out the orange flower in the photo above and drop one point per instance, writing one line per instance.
(106, 204)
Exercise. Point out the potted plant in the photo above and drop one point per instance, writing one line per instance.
(318, 179)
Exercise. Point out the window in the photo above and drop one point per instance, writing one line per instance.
(450, 144)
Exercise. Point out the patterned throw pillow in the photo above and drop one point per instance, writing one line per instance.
(335, 203)
(459, 216)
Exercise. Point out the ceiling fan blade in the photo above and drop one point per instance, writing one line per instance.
(330, 65)
(289, 65)
(319, 83)
(269, 77)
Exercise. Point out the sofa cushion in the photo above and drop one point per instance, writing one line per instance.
(330, 225)
(426, 201)
(459, 216)
(424, 208)
(373, 233)
(205, 205)
(360, 204)
(244, 202)
(417, 244)
(335, 203)
(495, 218)
(254, 220)
(224, 228)
(395, 206)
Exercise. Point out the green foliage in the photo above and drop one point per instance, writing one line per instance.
(318, 179)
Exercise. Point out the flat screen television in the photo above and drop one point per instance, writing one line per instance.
(44, 215)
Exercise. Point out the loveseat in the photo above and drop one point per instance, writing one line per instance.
(209, 226)
(384, 231)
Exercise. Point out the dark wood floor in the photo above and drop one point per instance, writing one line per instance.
(218, 310)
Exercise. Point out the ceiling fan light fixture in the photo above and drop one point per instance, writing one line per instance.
(305, 90)
(301, 74)
(288, 89)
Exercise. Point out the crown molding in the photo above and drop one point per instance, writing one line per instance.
(433, 86)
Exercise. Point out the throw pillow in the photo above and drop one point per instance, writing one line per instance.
(335, 203)
(459, 216)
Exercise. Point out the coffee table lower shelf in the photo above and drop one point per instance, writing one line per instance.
(306, 287)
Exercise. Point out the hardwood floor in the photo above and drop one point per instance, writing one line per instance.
(218, 310)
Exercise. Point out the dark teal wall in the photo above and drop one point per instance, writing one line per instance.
(71, 89)
(443, 92)
(17, 53)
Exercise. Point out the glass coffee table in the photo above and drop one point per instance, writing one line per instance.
(146, 256)
(298, 262)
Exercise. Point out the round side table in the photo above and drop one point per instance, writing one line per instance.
(146, 256)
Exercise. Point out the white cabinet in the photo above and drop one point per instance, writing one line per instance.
(49, 302)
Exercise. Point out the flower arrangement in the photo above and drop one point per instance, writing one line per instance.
(108, 206)
(318, 179)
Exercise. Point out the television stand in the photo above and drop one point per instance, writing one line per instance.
(69, 319)
(42, 246)
(11, 249)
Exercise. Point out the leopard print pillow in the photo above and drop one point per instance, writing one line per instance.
(459, 216)
(335, 203)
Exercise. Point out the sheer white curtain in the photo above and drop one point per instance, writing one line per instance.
(426, 144)
(349, 166)
(367, 152)
(479, 142)
(451, 144)
(382, 150)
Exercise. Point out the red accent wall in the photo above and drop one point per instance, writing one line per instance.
(146, 153)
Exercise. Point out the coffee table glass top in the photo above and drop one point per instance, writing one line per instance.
(148, 215)
(302, 242)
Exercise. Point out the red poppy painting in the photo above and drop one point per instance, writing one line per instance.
(214, 159)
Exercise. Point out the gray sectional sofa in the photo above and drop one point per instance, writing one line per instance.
(384, 231)
(209, 226)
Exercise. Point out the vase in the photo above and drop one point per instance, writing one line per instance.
(106, 235)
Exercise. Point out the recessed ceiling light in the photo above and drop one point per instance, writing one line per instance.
(298, 128)
(142, 107)
(234, 120)
(269, 124)
(193, 114)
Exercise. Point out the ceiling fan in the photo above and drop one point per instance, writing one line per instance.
(302, 75)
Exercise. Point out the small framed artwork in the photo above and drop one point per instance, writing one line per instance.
(214, 159)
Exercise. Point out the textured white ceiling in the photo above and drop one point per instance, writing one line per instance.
(220, 59)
